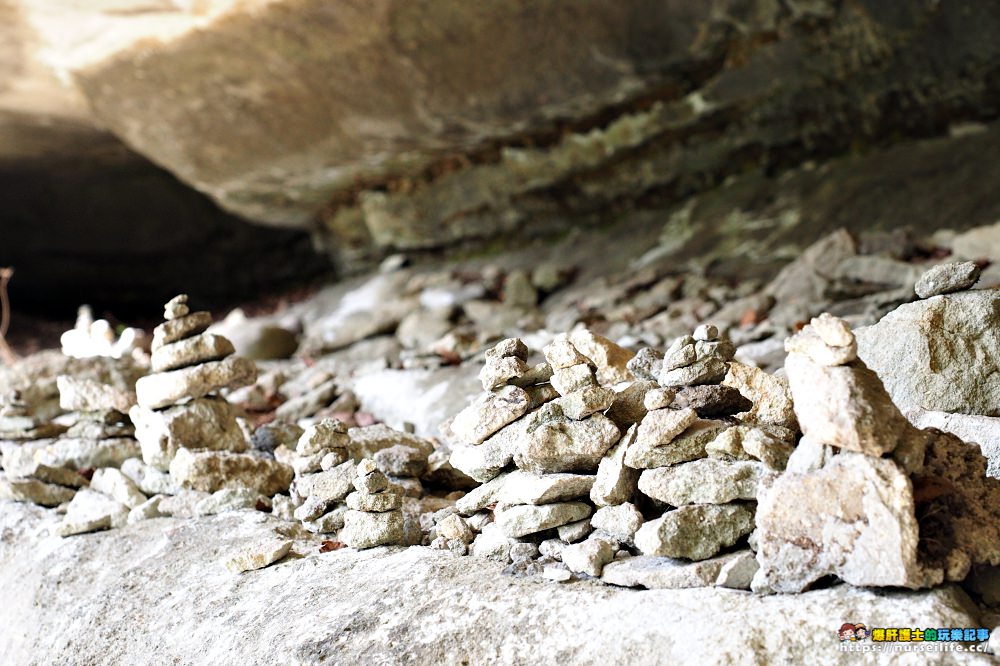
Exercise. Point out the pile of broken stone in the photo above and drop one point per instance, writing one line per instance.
(673, 468)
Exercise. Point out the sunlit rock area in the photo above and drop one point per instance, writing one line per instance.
(558, 332)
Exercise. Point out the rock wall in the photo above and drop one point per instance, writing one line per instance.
(414, 125)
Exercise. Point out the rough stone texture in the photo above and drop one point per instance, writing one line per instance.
(574, 378)
(483, 462)
(35, 491)
(695, 532)
(611, 359)
(205, 423)
(629, 403)
(374, 502)
(210, 471)
(521, 487)
(689, 445)
(258, 554)
(521, 520)
(981, 430)
(90, 511)
(588, 556)
(580, 404)
(566, 445)
(20, 459)
(583, 622)
(939, 354)
(230, 499)
(746, 442)
(771, 398)
(619, 522)
(705, 481)
(482, 496)
(117, 486)
(738, 572)
(665, 573)
(84, 395)
(646, 363)
(962, 510)
(489, 413)
(163, 389)
(853, 518)
(173, 330)
(947, 278)
(366, 441)
(190, 351)
(500, 370)
(615, 483)
(710, 401)
(367, 530)
(660, 426)
(845, 406)
(708, 370)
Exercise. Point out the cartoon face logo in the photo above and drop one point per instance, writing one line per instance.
(846, 632)
(861, 632)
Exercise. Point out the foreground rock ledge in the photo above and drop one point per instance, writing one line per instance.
(160, 587)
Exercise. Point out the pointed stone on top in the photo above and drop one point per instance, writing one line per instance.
(176, 307)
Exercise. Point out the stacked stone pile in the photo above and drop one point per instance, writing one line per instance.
(183, 425)
(324, 476)
(560, 477)
(374, 517)
(866, 496)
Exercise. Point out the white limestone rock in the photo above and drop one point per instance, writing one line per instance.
(948, 278)
(610, 359)
(589, 556)
(209, 471)
(770, 395)
(116, 485)
(665, 573)
(578, 405)
(368, 530)
(845, 406)
(695, 532)
(853, 518)
(258, 554)
(231, 499)
(87, 395)
(563, 445)
(91, 511)
(34, 491)
(615, 483)
(520, 487)
(705, 481)
(489, 413)
(689, 445)
(930, 354)
(322, 437)
(738, 571)
(166, 388)
(521, 520)
(620, 522)
(198, 349)
(146, 511)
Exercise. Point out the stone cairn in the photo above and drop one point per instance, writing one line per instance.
(327, 459)
(374, 517)
(866, 496)
(653, 507)
(184, 427)
(324, 475)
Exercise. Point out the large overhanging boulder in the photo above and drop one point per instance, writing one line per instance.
(407, 124)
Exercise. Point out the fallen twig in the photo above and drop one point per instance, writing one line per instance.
(6, 353)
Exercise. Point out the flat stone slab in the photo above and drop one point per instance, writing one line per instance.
(392, 605)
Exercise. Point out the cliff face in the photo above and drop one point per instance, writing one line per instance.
(411, 125)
